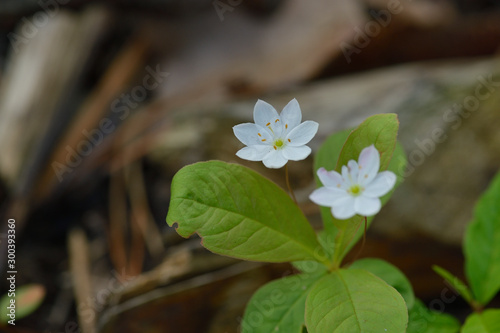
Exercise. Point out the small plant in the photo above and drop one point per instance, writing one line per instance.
(482, 263)
(239, 213)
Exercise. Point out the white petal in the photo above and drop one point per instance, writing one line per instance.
(264, 113)
(296, 153)
(346, 176)
(291, 115)
(366, 206)
(254, 153)
(381, 185)
(369, 163)
(329, 178)
(325, 196)
(303, 133)
(251, 134)
(274, 159)
(344, 208)
(353, 170)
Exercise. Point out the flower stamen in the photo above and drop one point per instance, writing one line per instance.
(355, 190)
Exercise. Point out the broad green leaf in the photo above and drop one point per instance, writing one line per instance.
(338, 149)
(482, 245)
(487, 321)
(239, 213)
(455, 282)
(423, 320)
(279, 306)
(310, 267)
(380, 130)
(390, 274)
(352, 301)
(27, 299)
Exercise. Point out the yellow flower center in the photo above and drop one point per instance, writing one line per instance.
(279, 143)
(356, 190)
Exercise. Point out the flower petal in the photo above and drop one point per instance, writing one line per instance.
(366, 206)
(274, 159)
(353, 168)
(329, 178)
(369, 163)
(265, 115)
(325, 196)
(296, 153)
(251, 134)
(381, 185)
(344, 208)
(303, 133)
(291, 115)
(346, 176)
(254, 153)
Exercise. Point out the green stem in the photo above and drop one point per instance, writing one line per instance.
(288, 184)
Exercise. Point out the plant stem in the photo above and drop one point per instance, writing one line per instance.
(288, 184)
(362, 242)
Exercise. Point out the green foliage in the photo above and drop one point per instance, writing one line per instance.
(485, 322)
(354, 301)
(455, 282)
(239, 213)
(482, 245)
(423, 320)
(390, 274)
(279, 305)
(27, 299)
(379, 130)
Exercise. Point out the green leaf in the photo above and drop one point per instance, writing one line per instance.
(390, 274)
(423, 320)
(279, 306)
(27, 299)
(455, 282)
(353, 301)
(379, 130)
(327, 244)
(482, 245)
(310, 267)
(486, 322)
(239, 213)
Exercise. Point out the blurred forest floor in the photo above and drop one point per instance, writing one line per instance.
(101, 102)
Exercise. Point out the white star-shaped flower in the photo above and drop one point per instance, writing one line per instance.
(358, 189)
(274, 139)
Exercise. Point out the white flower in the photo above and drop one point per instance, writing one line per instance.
(274, 139)
(358, 189)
